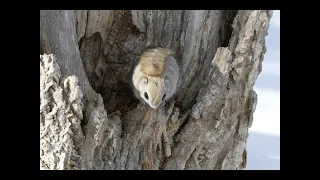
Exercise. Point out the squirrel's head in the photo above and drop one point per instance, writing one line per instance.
(154, 90)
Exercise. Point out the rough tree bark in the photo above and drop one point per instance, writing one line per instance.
(89, 118)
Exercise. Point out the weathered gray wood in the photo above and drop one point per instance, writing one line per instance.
(57, 36)
(204, 127)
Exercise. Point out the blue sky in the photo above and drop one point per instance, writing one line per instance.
(263, 144)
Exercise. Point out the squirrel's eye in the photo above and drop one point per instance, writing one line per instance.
(146, 95)
(163, 97)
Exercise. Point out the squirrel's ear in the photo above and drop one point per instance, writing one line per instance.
(145, 80)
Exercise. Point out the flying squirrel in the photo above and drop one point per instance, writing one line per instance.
(155, 77)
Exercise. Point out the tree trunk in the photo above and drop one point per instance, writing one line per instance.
(89, 117)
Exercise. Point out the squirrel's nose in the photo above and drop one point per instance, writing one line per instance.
(154, 106)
